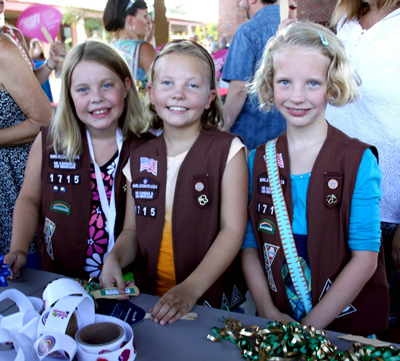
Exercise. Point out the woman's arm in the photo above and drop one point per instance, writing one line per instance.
(344, 289)
(125, 248)
(146, 56)
(57, 54)
(27, 209)
(258, 286)
(233, 215)
(17, 79)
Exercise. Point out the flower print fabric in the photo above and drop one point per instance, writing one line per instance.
(97, 239)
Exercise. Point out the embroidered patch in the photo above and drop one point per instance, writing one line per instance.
(61, 207)
(148, 164)
(59, 161)
(270, 252)
(206, 304)
(236, 296)
(225, 303)
(279, 159)
(145, 189)
(49, 246)
(349, 309)
(49, 227)
(263, 186)
(266, 226)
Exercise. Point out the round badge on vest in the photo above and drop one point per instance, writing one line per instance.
(199, 186)
(333, 183)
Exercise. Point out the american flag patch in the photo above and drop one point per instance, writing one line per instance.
(148, 164)
(279, 159)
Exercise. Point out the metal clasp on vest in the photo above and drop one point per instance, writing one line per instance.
(331, 199)
(203, 200)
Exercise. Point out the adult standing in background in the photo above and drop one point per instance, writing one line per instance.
(37, 55)
(245, 118)
(24, 108)
(370, 31)
(130, 20)
(292, 9)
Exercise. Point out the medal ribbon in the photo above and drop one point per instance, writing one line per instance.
(285, 228)
(10, 32)
(109, 210)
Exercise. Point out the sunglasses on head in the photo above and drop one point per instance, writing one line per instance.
(130, 4)
(293, 6)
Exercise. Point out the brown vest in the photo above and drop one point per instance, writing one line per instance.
(327, 227)
(66, 200)
(195, 215)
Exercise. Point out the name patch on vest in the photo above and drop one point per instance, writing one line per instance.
(145, 189)
(263, 186)
(59, 162)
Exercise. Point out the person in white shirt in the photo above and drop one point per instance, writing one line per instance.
(370, 31)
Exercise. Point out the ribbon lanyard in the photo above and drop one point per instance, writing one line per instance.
(109, 210)
(10, 32)
(285, 228)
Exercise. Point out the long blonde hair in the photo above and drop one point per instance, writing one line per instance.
(66, 128)
(342, 82)
(211, 117)
(348, 10)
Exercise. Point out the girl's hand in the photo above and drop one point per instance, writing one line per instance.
(396, 249)
(178, 301)
(276, 315)
(111, 274)
(16, 260)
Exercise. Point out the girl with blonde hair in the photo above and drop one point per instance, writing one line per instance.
(73, 193)
(186, 217)
(311, 251)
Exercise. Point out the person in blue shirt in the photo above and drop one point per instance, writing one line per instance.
(37, 55)
(244, 118)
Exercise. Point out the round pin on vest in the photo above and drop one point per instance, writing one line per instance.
(333, 184)
(199, 186)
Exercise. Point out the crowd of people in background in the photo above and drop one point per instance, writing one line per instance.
(141, 143)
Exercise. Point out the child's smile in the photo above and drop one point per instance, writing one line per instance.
(300, 82)
(98, 95)
(181, 90)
